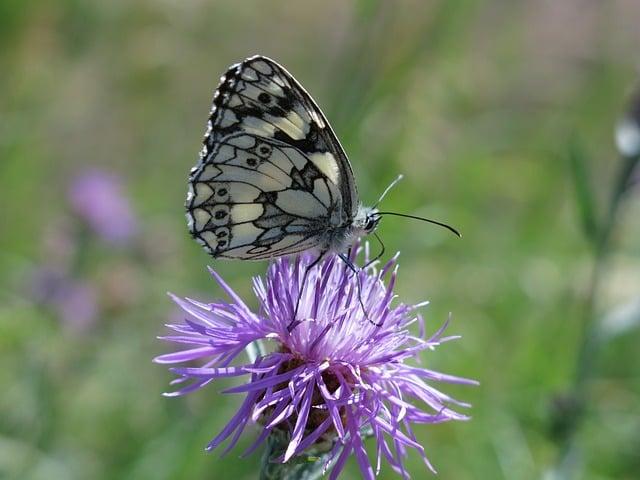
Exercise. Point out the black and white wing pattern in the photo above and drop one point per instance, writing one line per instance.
(272, 179)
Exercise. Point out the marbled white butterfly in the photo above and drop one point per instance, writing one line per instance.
(272, 179)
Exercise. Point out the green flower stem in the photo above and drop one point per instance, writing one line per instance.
(307, 467)
(590, 343)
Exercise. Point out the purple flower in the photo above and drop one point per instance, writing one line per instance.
(98, 198)
(74, 302)
(335, 378)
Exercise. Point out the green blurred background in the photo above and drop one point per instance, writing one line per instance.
(478, 103)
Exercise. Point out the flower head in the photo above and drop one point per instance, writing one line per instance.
(335, 378)
(74, 302)
(97, 198)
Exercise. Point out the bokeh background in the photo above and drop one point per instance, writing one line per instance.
(500, 114)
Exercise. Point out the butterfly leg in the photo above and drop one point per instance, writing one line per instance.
(356, 271)
(379, 255)
(294, 322)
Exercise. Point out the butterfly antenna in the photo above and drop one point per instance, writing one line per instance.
(386, 190)
(415, 217)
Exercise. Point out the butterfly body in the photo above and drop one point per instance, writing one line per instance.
(272, 179)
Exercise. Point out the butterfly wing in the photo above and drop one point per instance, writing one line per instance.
(272, 178)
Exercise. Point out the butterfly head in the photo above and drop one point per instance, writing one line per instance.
(366, 220)
(371, 220)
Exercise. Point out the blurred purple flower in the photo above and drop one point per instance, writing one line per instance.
(74, 302)
(97, 197)
(336, 377)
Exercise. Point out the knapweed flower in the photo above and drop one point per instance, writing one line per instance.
(339, 376)
(97, 197)
(74, 302)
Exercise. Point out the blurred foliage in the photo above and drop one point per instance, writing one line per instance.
(487, 107)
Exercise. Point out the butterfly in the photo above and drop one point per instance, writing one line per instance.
(272, 179)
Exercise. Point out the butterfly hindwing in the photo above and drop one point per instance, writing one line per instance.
(272, 178)
(256, 193)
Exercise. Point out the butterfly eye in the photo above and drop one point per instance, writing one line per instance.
(372, 223)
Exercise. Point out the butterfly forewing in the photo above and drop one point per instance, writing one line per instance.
(272, 177)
